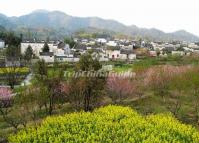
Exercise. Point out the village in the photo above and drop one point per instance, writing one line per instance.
(104, 49)
(99, 71)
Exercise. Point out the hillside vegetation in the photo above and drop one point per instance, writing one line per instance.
(109, 124)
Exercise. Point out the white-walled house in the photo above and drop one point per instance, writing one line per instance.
(188, 49)
(113, 54)
(178, 53)
(65, 58)
(101, 40)
(132, 56)
(157, 46)
(59, 52)
(2, 43)
(126, 54)
(37, 47)
(123, 54)
(192, 45)
(48, 57)
(101, 55)
(111, 43)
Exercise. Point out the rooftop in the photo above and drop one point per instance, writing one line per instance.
(46, 53)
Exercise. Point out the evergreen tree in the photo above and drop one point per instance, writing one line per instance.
(28, 53)
(46, 47)
(13, 52)
(70, 42)
(40, 70)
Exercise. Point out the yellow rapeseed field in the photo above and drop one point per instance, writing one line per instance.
(111, 124)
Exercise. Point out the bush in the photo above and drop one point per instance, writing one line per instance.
(109, 124)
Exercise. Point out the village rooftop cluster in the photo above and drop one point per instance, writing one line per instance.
(104, 49)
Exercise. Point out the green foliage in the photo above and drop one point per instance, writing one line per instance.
(46, 47)
(95, 33)
(109, 124)
(13, 52)
(122, 68)
(142, 65)
(91, 86)
(70, 42)
(87, 63)
(193, 59)
(10, 38)
(28, 53)
(40, 69)
(13, 75)
(158, 52)
(13, 42)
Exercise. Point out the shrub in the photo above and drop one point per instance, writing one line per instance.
(5, 97)
(109, 124)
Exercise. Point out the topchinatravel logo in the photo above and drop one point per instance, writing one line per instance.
(127, 74)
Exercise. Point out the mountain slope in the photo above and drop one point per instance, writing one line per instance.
(60, 24)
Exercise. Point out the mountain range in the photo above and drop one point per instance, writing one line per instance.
(56, 24)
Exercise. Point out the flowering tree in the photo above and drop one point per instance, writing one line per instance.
(76, 93)
(159, 78)
(6, 101)
(193, 86)
(5, 97)
(119, 88)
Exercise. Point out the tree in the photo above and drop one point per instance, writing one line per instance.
(13, 53)
(181, 48)
(177, 85)
(158, 52)
(119, 88)
(76, 92)
(7, 109)
(13, 61)
(70, 42)
(12, 75)
(88, 63)
(49, 86)
(54, 88)
(193, 86)
(28, 54)
(46, 47)
(5, 97)
(27, 99)
(159, 78)
(41, 70)
(90, 86)
(10, 38)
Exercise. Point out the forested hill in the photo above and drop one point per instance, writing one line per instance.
(57, 24)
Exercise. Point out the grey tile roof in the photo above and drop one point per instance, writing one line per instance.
(46, 53)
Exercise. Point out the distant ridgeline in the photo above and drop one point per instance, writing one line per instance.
(56, 25)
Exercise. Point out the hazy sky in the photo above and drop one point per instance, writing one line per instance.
(167, 15)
